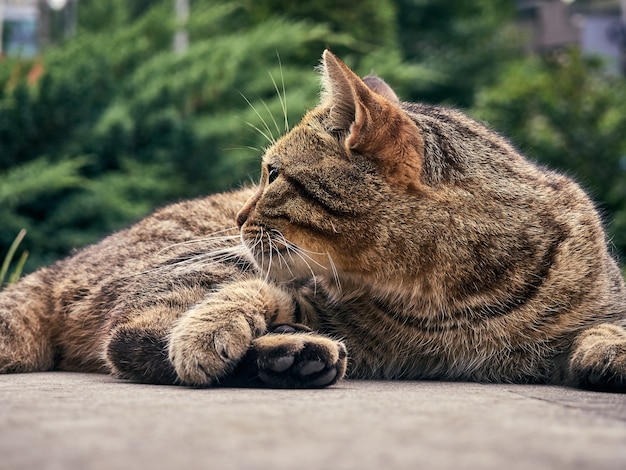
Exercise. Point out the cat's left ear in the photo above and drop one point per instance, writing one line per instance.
(377, 127)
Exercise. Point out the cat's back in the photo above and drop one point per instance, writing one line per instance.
(521, 210)
(159, 236)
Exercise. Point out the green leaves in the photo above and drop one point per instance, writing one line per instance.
(465, 42)
(26, 183)
(27, 190)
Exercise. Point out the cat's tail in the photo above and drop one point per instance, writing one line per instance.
(26, 331)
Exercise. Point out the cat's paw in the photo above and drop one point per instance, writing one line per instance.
(299, 360)
(599, 360)
(202, 353)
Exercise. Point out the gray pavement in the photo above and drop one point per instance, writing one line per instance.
(70, 421)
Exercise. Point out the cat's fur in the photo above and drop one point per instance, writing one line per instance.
(410, 235)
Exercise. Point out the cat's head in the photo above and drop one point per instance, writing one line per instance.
(334, 190)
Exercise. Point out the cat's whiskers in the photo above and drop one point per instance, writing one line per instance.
(269, 252)
(213, 237)
(216, 256)
(299, 250)
(271, 116)
(256, 150)
(281, 257)
(296, 251)
(206, 260)
(306, 258)
(259, 243)
(335, 273)
(252, 250)
(266, 131)
(289, 248)
(282, 98)
(211, 256)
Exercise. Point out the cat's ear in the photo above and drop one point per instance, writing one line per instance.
(348, 97)
(380, 87)
(377, 127)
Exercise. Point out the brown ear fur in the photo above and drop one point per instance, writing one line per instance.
(377, 127)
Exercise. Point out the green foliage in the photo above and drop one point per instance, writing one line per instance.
(99, 16)
(371, 23)
(30, 181)
(25, 193)
(465, 42)
(563, 110)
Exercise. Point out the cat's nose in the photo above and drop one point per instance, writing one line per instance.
(242, 216)
(247, 209)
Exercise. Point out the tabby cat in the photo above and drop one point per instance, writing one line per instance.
(410, 236)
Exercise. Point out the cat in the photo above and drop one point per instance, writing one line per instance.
(385, 240)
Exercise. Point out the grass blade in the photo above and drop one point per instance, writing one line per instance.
(10, 254)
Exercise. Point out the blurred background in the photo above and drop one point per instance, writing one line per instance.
(109, 109)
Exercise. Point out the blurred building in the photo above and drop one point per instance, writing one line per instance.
(597, 26)
(28, 25)
(18, 27)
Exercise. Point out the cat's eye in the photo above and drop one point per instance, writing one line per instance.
(272, 174)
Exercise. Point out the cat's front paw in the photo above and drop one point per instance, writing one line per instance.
(299, 360)
(203, 353)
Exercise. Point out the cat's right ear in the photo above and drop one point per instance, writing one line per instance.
(374, 123)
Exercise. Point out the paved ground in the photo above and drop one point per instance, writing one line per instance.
(82, 422)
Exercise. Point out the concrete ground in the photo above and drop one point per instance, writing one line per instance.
(76, 421)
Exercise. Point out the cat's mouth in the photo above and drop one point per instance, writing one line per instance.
(282, 260)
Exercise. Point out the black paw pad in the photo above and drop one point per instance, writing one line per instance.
(301, 363)
(311, 367)
(281, 363)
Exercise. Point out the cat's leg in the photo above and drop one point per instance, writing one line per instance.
(598, 358)
(199, 345)
(192, 337)
(224, 340)
(26, 327)
(209, 341)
